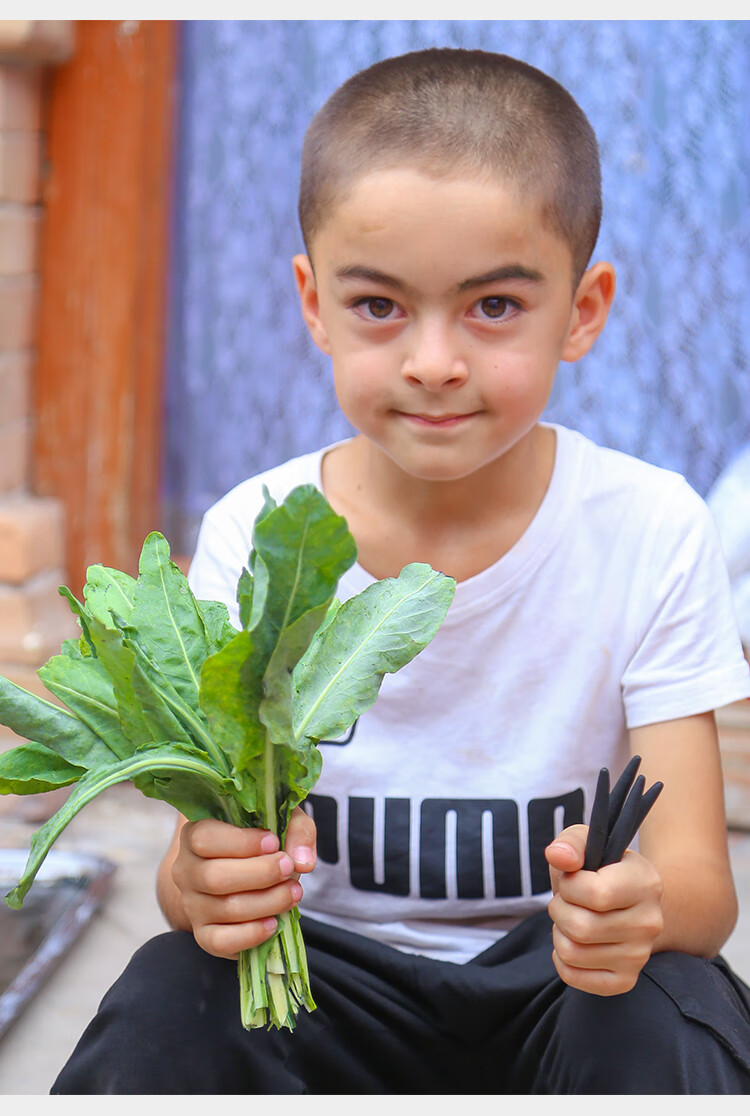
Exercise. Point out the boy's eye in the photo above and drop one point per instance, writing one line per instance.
(495, 306)
(381, 308)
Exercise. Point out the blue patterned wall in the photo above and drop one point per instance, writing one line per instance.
(668, 381)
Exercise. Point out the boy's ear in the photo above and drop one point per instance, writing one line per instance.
(308, 296)
(591, 305)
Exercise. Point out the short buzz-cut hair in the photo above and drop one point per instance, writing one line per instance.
(447, 111)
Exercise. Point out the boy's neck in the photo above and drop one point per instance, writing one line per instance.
(460, 527)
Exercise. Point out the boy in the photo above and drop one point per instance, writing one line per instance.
(450, 203)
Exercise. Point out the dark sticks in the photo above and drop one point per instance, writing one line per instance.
(616, 817)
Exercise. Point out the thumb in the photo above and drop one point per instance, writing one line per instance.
(566, 853)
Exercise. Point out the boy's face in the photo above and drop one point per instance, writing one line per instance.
(446, 306)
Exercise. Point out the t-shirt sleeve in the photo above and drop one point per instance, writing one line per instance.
(687, 657)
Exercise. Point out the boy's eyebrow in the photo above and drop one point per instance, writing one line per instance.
(509, 271)
(369, 275)
(497, 275)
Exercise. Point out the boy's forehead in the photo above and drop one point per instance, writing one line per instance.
(364, 186)
(395, 205)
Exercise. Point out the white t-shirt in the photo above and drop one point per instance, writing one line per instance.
(613, 610)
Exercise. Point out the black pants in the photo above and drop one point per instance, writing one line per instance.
(389, 1022)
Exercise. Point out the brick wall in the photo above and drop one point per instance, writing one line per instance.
(33, 618)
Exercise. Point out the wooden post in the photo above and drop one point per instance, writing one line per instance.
(34, 620)
(104, 269)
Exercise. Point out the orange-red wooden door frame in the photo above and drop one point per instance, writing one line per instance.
(104, 273)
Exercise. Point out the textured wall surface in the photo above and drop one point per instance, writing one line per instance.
(33, 617)
(668, 381)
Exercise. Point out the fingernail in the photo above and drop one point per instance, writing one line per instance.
(286, 865)
(296, 890)
(269, 843)
(304, 856)
(269, 924)
(562, 846)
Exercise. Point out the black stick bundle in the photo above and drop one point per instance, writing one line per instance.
(617, 817)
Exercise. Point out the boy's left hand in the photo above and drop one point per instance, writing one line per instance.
(605, 922)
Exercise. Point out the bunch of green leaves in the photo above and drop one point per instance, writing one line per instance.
(162, 690)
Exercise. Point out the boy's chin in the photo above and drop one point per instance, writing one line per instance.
(437, 468)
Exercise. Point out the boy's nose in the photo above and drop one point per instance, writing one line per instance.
(434, 361)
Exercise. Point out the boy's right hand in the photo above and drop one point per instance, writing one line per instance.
(234, 882)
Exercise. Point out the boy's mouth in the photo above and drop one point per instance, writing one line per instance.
(438, 420)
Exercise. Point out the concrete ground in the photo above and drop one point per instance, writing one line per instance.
(133, 832)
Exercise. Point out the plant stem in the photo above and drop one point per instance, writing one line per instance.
(269, 788)
(274, 981)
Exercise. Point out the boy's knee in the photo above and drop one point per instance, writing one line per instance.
(169, 978)
(155, 1027)
(683, 1029)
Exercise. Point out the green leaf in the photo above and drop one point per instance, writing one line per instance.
(145, 699)
(83, 684)
(33, 769)
(167, 760)
(253, 584)
(301, 548)
(188, 790)
(275, 708)
(230, 695)
(34, 718)
(166, 619)
(109, 594)
(172, 718)
(373, 634)
(83, 619)
(333, 608)
(119, 661)
(305, 548)
(290, 767)
(218, 626)
(245, 597)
